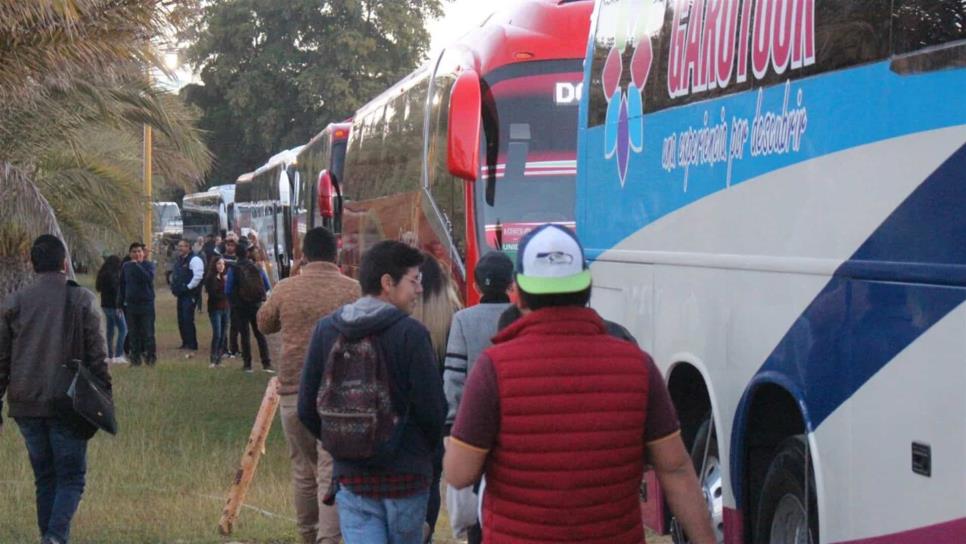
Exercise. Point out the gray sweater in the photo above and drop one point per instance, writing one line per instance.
(470, 334)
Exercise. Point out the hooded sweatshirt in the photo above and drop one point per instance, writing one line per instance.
(416, 382)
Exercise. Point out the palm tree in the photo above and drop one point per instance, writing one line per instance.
(73, 97)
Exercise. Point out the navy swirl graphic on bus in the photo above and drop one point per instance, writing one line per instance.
(624, 126)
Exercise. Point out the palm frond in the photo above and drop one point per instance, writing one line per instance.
(45, 40)
(24, 212)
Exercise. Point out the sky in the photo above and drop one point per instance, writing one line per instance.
(458, 18)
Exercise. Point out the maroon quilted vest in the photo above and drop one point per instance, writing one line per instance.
(569, 457)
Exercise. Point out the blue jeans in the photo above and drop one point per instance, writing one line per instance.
(115, 320)
(186, 321)
(219, 329)
(381, 521)
(59, 460)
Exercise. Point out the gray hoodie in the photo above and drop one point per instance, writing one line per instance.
(469, 335)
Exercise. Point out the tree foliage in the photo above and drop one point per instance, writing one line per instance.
(74, 95)
(275, 73)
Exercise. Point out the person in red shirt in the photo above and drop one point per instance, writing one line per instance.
(561, 415)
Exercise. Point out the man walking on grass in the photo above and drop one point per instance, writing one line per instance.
(295, 307)
(189, 270)
(33, 326)
(563, 415)
(382, 498)
(137, 293)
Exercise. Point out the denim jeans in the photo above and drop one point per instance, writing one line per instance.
(141, 330)
(59, 460)
(219, 328)
(381, 521)
(186, 321)
(115, 320)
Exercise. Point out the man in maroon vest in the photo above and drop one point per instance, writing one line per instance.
(561, 416)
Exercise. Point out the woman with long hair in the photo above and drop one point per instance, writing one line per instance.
(217, 307)
(108, 285)
(437, 305)
(257, 254)
(435, 309)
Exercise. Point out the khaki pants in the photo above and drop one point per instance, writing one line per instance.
(311, 476)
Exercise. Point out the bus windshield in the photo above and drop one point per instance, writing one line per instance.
(199, 222)
(529, 150)
(338, 159)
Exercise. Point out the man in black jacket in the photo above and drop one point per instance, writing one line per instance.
(137, 294)
(384, 500)
(189, 270)
(32, 337)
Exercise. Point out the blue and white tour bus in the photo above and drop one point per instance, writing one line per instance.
(773, 197)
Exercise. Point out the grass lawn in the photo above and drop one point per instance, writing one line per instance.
(165, 476)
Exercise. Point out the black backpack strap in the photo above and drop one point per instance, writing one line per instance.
(69, 325)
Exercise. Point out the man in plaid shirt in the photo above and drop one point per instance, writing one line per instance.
(384, 500)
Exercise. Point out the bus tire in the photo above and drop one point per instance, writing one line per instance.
(781, 516)
(710, 480)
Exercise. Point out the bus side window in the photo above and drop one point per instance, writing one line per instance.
(446, 190)
(928, 35)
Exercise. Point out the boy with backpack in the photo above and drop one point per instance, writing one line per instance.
(371, 392)
(247, 287)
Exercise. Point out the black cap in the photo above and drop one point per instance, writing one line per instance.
(494, 272)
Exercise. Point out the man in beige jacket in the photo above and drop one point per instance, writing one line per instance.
(295, 306)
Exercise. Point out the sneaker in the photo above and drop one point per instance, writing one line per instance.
(122, 360)
(212, 365)
(232, 354)
(189, 355)
(248, 370)
(268, 369)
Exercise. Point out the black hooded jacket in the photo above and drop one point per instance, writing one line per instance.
(416, 381)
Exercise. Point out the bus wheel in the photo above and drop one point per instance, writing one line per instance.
(708, 468)
(787, 512)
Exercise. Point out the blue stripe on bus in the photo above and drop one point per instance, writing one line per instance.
(845, 109)
(860, 321)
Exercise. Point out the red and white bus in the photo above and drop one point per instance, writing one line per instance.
(293, 192)
(315, 176)
(263, 205)
(474, 148)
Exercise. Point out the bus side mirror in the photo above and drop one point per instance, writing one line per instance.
(326, 194)
(463, 140)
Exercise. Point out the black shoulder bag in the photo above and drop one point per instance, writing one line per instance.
(83, 400)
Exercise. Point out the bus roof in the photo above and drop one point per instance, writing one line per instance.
(282, 158)
(200, 195)
(330, 131)
(399, 87)
(532, 30)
